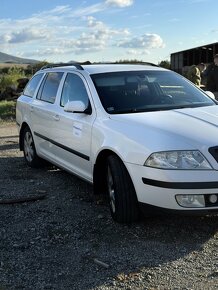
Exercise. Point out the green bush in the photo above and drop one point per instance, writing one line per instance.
(7, 110)
(10, 79)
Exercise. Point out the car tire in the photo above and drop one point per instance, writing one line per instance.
(122, 196)
(29, 149)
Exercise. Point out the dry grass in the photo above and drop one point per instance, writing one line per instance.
(3, 65)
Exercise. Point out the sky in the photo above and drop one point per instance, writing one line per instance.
(105, 30)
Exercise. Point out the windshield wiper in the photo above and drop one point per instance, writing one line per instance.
(193, 106)
(135, 110)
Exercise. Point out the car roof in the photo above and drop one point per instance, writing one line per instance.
(106, 68)
(103, 68)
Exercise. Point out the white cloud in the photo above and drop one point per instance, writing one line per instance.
(65, 30)
(45, 52)
(92, 22)
(92, 9)
(96, 39)
(57, 10)
(136, 52)
(119, 3)
(146, 41)
(24, 36)
(60, 21)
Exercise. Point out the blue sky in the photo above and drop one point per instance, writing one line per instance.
(105, 30)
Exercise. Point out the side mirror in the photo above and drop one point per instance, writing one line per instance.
(75, 107)
(210, 94)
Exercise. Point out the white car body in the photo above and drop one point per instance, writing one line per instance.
(73, 141)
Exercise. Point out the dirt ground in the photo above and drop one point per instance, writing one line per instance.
(65, 239)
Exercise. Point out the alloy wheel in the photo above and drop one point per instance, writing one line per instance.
(28, 147)
(111, 189)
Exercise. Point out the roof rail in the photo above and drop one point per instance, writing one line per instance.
(78, 65)
(51, 65)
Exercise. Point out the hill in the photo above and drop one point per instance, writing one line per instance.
(6, 58)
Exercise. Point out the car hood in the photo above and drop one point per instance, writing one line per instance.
(175, 129)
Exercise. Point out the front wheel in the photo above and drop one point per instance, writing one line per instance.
(29, 149)
(122, 197)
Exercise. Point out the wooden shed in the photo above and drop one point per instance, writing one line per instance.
(181, 60)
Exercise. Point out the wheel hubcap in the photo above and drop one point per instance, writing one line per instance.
(28, 147)
(111, 190)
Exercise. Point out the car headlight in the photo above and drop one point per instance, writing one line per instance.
(178, 160)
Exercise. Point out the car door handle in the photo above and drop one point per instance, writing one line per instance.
(31, 108)
(56, 117)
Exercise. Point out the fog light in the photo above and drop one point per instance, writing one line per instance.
(213, 198)
(191, 200)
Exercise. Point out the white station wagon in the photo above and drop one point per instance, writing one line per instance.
(143, 135)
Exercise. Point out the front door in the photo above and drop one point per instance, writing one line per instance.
(72, 131)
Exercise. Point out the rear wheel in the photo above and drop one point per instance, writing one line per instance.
(122, 197)
(29, 149)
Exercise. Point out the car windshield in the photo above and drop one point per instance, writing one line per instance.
(142, 91)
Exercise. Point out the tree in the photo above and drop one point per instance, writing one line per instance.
(164, 64)
(129, 61)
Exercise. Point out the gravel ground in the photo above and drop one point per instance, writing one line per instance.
(60, 241)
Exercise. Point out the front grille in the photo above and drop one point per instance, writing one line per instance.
(214, 152)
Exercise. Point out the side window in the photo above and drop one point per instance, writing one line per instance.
(49, 88)
(74, 90)
(32, 85)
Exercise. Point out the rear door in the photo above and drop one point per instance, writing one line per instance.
(43, 113)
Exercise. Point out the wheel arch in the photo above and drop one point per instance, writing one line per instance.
(99, 171)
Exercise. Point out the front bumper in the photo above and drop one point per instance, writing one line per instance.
(158, 188)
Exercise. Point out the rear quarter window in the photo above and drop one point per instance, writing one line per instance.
(32, 85)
